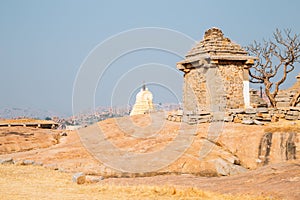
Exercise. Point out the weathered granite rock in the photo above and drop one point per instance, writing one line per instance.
(51, 166)
(37, 163)
(278, 147)
(237, 111)
(250, 111)
(7, 161)
(248, 122)
(262, 110)
(274, 118)
(94, 179)
(237, 145)
(295, 109)
(79, 178)
(291, 117)
(18, 162)
(237, 119)
(293, 112)
(258, 122)
(224, 168)
(228, 118)
(28, 162)
(203, 113)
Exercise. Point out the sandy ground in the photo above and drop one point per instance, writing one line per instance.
(34, 182)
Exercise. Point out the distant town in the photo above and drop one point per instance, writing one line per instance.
(80, 120)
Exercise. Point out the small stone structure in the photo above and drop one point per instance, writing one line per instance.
(216, 86)
(143, 103)
(216, 71)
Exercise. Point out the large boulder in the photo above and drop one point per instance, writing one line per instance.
(216, 161)
(220, 167)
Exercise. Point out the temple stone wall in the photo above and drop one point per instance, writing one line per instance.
(232, 76)
(215, 74)
(194, 91)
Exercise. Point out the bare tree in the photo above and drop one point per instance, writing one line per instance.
(296, 99)
(275, 59)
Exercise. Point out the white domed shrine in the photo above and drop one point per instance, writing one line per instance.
(143, 103)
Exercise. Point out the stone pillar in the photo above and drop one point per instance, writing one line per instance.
(246, 87)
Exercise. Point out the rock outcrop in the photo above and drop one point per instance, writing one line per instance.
(233, 149)
(237, 149)
(18, 139)
(79, 178)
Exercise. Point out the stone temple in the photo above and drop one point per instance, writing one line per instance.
(216, 71)
(143, 103)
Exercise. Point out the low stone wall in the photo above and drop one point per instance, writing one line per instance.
(258, 116)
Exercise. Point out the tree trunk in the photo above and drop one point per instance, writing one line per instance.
(295, 99)
(270, 96)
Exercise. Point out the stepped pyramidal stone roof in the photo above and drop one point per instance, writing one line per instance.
(216, 47)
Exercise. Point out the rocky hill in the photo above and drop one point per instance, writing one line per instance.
(207, 149)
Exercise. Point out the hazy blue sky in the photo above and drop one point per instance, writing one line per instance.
(43, 43)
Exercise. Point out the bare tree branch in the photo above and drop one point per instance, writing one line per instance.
(296, 99)
(274, 56)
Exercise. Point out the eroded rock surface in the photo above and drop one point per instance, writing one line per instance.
(236, 148)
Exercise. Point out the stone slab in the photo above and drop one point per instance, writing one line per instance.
(248, 122)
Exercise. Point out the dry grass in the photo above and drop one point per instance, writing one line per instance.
(33, 182)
